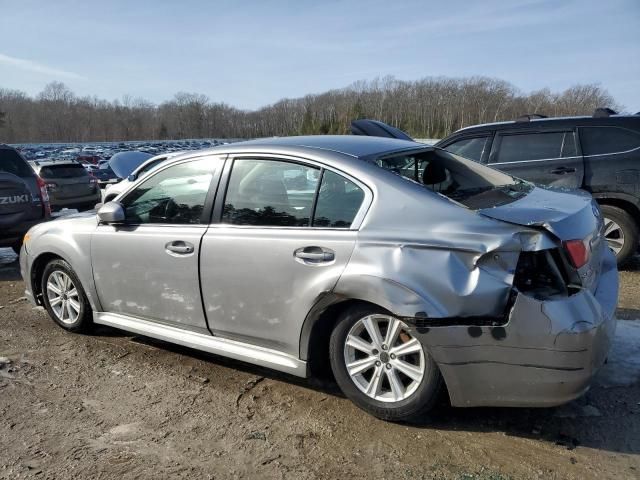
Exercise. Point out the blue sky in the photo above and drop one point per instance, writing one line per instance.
(252, 53)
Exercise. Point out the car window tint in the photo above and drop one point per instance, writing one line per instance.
(270, 193)
(569, 145)
(470, 148)
(530, 146)
(339, 200)
(175, 195)
(603, 140)
(12, 162)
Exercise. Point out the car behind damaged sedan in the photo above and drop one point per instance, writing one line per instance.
(400, 266)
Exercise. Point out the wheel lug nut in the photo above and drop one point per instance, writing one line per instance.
(378, 363)
(392, 356)
(384, 347)
(374, 352)
(388, 365)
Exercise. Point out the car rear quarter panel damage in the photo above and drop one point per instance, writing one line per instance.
(451, 275)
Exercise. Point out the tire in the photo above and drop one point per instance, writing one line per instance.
(75, 313)
(621, 232)
(412, 397)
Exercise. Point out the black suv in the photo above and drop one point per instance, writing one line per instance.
(599, 154)
(23, 198)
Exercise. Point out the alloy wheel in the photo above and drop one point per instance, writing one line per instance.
(614, 235)
(383, 359)
(63, 297)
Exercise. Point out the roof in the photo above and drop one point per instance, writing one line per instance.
(352, 145)
(558, 122)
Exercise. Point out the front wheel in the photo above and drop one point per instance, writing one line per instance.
(620, 231)
(381, 366)
(64, 297)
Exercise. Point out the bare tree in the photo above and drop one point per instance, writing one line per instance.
(431, 107)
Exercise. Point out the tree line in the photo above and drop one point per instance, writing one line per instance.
(431, 107)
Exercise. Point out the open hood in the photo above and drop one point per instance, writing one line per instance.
(124, 163)
(566, 214)
(374, 128)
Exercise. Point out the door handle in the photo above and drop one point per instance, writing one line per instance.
(563, 170)
(180, 247)
(314, 255)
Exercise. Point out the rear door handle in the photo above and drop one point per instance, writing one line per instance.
(180, 247)
(314, 255)
(563, 170)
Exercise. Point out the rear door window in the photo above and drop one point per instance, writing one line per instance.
(530, 146)
(12, 162)
(270, 193)
(470, 148)
(607, 140)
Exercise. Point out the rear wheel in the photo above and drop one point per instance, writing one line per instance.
(64, 298)
(620, 231)
(381, 366)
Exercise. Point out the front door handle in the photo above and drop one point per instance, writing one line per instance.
(180, 247)
(314, 255)
(563, 170)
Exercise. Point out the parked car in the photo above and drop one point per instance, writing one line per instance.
(69, 184)
(23, 198)
(599, 154)
(113, 190)
(302, 252)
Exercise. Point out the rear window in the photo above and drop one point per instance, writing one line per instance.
(12, 162)
(465, 181)
(604, 140)
(534, 146)
(63, 171)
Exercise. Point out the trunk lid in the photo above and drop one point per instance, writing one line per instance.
(567, 215)
(123, 163)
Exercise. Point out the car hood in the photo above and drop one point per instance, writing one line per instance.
(567, 214)
(124, 163)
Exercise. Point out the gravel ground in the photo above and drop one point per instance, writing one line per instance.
(112, 405)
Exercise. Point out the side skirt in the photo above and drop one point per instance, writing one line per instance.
(264, 357)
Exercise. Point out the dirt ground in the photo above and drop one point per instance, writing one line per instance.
(112, 405)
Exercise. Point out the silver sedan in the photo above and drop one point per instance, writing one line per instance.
(397, 268)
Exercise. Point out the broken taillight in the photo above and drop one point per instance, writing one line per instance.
(578, 251)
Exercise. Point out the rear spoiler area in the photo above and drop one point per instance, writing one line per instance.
(375, 128)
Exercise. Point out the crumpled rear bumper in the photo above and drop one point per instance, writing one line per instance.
(547, 353)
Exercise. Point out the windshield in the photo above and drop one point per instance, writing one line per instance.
(465, 181)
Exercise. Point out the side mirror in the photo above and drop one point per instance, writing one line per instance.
(111, 212)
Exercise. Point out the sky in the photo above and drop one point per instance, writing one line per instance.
(252, 53)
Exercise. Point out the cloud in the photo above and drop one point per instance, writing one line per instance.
(39, 68)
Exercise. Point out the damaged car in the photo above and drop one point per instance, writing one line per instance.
(397, 267)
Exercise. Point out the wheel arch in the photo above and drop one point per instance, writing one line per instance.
(625, 202)
(317, 328)
(37, 269)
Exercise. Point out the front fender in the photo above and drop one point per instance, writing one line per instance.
(69, 240)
